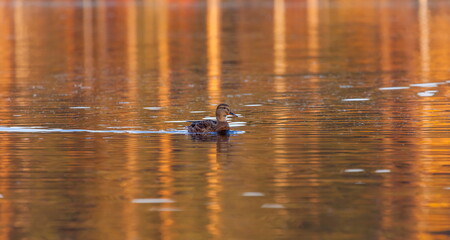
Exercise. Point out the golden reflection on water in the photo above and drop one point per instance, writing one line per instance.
(279, 48)
(214, 189)
(132, 142)
(424, 31)
(314, 68)
(164, 55)
(313, 35)
(88, 40)
(213, 21)
(214, 48)
(305, 58)
(166, 179)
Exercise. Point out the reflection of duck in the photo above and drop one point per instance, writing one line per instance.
(222, 140)
(220, 126)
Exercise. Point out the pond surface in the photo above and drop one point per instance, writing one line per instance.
(344, 127)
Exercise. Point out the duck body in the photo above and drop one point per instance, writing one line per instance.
(220, 126)
(208, 126)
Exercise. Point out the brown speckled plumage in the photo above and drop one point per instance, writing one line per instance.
(219, 126)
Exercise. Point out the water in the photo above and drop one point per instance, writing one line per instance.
(343, 128)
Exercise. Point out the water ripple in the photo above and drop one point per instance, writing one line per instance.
(37, 129)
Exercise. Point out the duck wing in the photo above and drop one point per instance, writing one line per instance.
(202, 126)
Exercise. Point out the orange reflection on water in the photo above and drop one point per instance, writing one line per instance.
(6, 81)
(213, 21)
(5, 86)
(164, 55)
(129, 211)
(23, 39)
(105, 34)
(424, 31)
(313, 35)
(279, 52)
(166, 178)
(214, 189)
(88, 40)
(279, 45)
(213, 25)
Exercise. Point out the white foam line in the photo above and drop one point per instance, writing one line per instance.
(392, 88)
(123, 127)
(164, 209)
(435, 84)
(152, 200)
(197, 111)
(79, 107)
(237, 124)
(428, 93)
(153, 108)
(209, 118)
(272, 205)
(354, 170)
(252, 194)
(382, 171)
(355, 99)
(253, 105)
(60, 130)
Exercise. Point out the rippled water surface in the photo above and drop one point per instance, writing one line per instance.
(343, 128)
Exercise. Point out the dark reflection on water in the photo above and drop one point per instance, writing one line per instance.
(343, 133)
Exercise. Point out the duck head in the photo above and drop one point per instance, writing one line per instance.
(222, 111)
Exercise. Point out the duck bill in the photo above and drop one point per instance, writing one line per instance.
(233, 114)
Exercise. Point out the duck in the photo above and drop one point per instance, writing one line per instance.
(220, 125)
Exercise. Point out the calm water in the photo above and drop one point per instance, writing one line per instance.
(343, 130)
